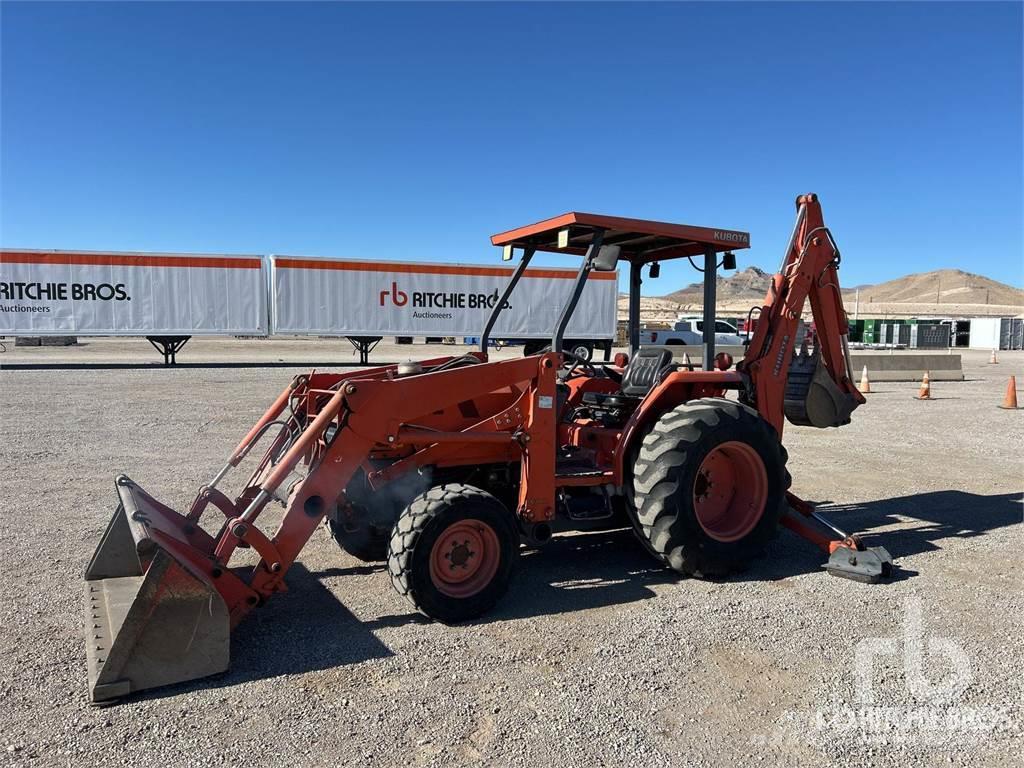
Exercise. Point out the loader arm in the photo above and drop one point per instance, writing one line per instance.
(813, 389)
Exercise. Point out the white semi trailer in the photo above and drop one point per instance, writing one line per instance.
(367, 300)
(168, 298)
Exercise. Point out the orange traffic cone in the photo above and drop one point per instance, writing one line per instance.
(925, 393)
(992, 358)
(865, 384)
(1010, 398)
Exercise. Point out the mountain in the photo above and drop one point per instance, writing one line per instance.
(942, 286)
(750, 284)
(940, 293)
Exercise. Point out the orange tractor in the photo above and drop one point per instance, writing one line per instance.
(445, 468)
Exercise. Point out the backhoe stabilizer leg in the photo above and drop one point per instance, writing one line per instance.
(848, 557)
(869, 565)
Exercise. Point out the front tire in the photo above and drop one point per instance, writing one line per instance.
(710, 484)
(453, 551)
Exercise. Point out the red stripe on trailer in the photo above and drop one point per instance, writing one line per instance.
(128, 260)
(431, 269)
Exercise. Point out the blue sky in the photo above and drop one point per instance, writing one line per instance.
(415, 131)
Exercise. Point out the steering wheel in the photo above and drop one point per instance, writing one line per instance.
(577, 362)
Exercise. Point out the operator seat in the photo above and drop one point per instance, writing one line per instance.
(642, 374)
(645, 370)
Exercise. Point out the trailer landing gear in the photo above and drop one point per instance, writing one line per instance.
(364, 346)
(168, 346)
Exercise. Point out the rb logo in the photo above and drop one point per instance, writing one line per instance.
(398, 298)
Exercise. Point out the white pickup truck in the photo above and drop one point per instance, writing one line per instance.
(691, 332)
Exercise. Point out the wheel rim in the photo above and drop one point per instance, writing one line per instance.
(464, 558)
(730, 491)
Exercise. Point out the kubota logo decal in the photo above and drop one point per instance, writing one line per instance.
(732, 237)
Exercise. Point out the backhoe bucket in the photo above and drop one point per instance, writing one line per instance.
(812, 398)
(153, 617)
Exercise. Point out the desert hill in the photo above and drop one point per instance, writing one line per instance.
(748, 285)
(940, 293)
(943, 286)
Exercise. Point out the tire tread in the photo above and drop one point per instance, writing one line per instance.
(657, 475)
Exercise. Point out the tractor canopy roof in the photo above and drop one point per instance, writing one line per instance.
(639, 240)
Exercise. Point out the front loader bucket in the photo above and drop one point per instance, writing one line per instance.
(152, 616)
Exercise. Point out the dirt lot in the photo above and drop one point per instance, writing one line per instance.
(596, 657)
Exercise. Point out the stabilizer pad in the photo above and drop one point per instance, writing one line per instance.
(870, 565)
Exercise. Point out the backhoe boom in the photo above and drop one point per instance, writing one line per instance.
(813, 389)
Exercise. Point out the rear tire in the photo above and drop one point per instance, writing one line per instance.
(453, 552)
(364, 517)
(700, 528)
(366, 543)
(631, 500)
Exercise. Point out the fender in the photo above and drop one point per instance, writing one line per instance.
(678, 387)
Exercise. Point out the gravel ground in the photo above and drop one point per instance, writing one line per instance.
(596, 656)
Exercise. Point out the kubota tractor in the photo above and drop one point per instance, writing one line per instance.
(444, 468)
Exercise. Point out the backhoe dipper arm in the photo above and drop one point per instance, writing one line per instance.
(809, 271)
